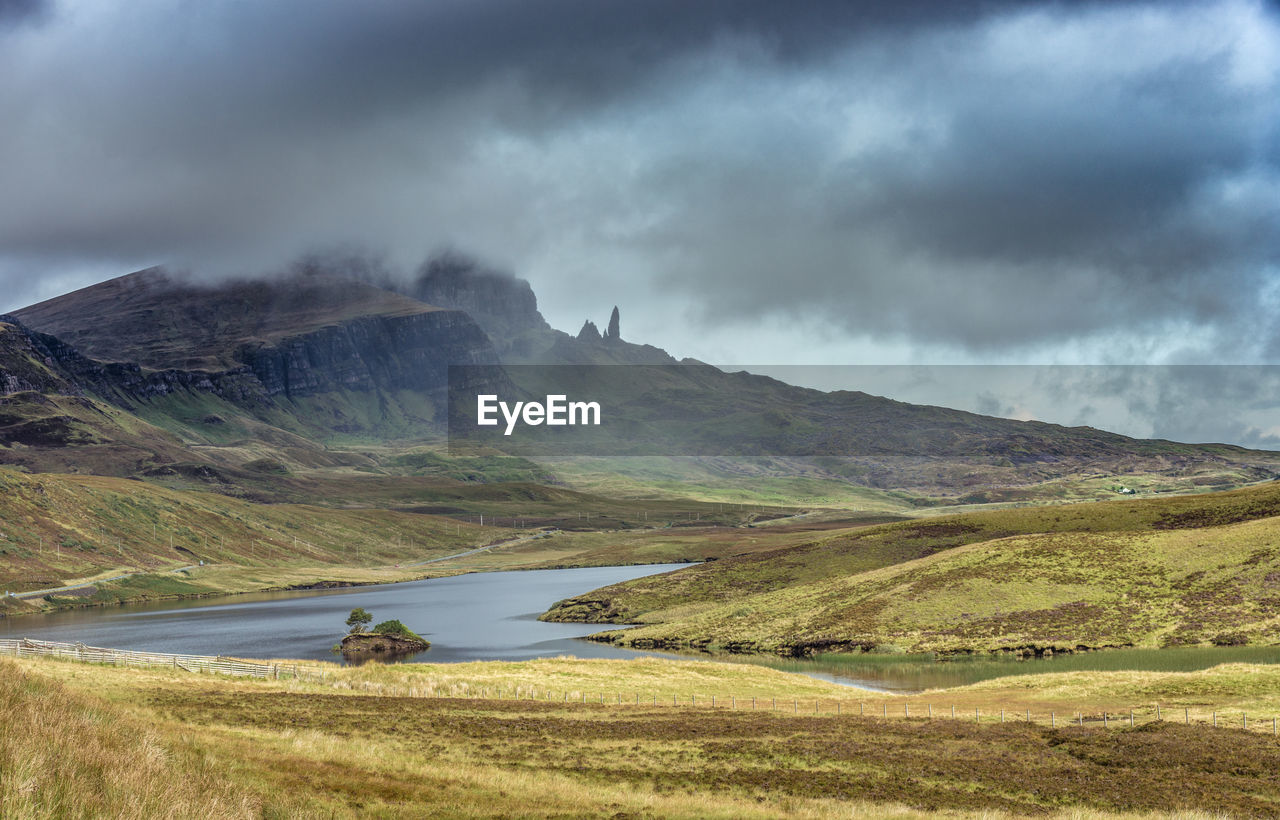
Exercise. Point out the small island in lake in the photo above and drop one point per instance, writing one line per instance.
(388, 639)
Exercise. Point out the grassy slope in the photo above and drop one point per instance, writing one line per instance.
(1220, 585)
(796, 596)
(643, 546)
(375, 741)
(843, 482)
(58, 529)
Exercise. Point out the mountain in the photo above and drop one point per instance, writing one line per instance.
(311, 369)
(506, 307)
(289, 363)
(163, 322)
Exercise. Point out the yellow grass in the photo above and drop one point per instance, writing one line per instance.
(64, 753)
(124, 742)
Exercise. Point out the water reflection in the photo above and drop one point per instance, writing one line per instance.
(916, 673)
(482, 616)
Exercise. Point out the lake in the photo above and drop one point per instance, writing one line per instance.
(493, 616)
(916, 673)
(474, 617)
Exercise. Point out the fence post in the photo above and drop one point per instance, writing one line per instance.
(1186, 715)
(1215, 720)
(1053, 721)
(1130, 718)
(977, 715)
(1158, 711)
(1104, 720)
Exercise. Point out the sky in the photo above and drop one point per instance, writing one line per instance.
(808, 183)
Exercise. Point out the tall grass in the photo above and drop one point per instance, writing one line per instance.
(66, 754)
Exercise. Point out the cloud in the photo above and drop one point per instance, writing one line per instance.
(15, 12)
(977, 177)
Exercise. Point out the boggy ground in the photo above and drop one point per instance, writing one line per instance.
(763, 757)
(382, 742)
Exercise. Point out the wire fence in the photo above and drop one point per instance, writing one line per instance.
(207, 664)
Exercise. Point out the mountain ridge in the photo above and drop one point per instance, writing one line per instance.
(316, 357)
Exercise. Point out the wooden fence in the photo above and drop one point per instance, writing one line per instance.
(208, 664)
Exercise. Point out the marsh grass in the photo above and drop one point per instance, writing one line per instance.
(373, 742)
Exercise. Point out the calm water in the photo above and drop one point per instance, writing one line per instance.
(915, 673)
(493, 616)
(482, 616)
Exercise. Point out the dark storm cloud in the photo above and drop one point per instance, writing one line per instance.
(1047, 176)
(977, 177)
(255, 129)
(13, 12)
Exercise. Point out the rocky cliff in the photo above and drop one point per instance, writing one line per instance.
(326, 361)
(371, 353)
(504, 306)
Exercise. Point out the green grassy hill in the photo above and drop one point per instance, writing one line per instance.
(58, 529)
(1193, 569)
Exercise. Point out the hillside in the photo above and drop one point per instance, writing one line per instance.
(163, 321)
(156, 376)
(59, 530)
(1194, 569)
(290, 365)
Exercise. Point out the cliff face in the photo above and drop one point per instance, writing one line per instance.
(504, 306)
(27, 365)
(371, 353)
(372, 374)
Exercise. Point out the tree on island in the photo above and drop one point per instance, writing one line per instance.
(358, 619)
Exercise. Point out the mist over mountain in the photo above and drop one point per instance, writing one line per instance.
(303, 359)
